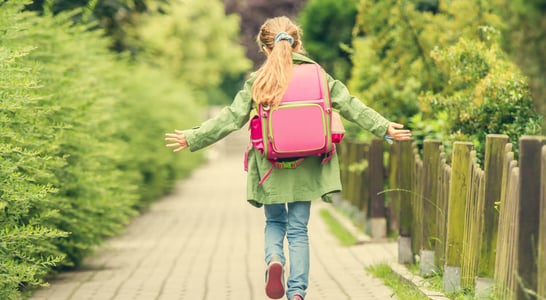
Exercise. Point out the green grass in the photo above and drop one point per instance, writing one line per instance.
(339, 231)
(436, 283)
(402, 289)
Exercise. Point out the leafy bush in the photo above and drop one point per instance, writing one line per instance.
(484, 94)
(524, 38)
(392, 59)
(27, 238)
(80, 132)
(440, 70)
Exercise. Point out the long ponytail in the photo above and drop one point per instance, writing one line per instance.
(279, 37)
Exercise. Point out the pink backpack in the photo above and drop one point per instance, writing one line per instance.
(301, 125)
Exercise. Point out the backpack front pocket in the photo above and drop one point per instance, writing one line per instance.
(298, 128)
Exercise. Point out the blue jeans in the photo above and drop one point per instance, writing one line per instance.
(289, 220)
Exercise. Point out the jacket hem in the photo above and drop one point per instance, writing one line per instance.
(279, 199)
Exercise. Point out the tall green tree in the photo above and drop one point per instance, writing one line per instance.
(525, 41)
(327, 27)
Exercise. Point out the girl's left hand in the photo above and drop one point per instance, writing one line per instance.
(179, 139)
(397, 133)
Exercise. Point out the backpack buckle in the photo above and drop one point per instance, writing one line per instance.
(288, 164)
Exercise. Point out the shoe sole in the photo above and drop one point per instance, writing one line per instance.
(274, 287)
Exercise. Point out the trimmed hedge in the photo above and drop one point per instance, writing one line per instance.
(81, 142)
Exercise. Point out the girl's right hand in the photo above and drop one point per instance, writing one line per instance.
(179, 139)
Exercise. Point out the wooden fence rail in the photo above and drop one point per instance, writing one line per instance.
(484, 229)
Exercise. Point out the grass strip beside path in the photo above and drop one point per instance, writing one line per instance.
(344, 236)
(402, 289)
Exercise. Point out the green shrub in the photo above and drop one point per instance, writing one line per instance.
(484, 94)
(392, 50)
(524, 38)
(27, 250)
(437, 67)
(158, 103)
(81, 143)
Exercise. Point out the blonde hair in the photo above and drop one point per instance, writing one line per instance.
(273, 76)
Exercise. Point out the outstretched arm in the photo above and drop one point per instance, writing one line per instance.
(229, 119)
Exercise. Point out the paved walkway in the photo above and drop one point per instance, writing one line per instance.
(205, 242)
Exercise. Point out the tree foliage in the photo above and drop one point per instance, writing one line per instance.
(525, 40)
(117, 18)
(195, 40)
(327, 27)
(419, 64)
(392, 60)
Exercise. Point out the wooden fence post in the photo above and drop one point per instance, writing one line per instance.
(417, 202)
(394, 197)
(459, 189)
(376, 180)
(541, 278)
(354, 172)
(444, 180)
(363, 188)
(472, 226)
(529, 207)
(405, 177)
(505, 258)
(431, 166)
(352, 152)
(493, 167)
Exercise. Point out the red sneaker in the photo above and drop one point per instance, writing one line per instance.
(296, 297)
(274, 280)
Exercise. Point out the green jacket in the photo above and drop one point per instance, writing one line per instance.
(308, 181)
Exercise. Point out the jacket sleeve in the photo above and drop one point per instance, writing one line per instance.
(229, 119)
(352, 109)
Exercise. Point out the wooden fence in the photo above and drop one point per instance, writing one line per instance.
(483, 229)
